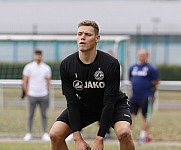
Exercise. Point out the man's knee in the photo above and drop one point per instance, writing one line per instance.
(59, 132)
(54, 136)
(124, 135)
(123, 131)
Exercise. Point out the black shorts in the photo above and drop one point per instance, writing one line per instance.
(139, 104)
(121, 113)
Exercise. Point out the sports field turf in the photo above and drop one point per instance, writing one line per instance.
(165, 127)
(15, 127)
(46, 146)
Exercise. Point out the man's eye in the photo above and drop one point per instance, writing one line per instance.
(88, 34)
(79, 34)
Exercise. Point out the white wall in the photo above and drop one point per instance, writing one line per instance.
(114, 16)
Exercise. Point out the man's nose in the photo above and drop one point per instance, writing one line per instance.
(83, 34)
(83, 37)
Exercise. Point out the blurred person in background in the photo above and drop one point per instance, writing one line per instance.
(144, 79)
(91, 84)
(36, 84)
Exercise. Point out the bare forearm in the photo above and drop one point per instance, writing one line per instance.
(48, 84)
(98, 143)
(77, 136)
(99, 138)
(155, 82)
(79, 141)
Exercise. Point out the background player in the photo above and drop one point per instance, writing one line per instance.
(144, 79)
(36, 85)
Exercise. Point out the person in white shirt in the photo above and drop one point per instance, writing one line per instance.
(36, 84)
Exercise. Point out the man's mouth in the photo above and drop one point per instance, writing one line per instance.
(81, 43)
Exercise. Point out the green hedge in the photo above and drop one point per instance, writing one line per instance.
(14, 71)
(170, 72)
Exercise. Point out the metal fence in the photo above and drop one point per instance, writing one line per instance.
(56, 84)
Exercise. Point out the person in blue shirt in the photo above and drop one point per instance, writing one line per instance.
(144, 79)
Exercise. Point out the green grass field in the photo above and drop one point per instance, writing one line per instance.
(165, 125)
(46, 146)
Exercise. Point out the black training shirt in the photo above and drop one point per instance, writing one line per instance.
(94, 86)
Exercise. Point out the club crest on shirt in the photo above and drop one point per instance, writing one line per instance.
(99, 75)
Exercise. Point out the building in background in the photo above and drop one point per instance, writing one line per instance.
(150, 24)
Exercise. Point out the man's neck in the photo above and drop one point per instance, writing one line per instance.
(142, 63)
(87, 57)
(38, 62)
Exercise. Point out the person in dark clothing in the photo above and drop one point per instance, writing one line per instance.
(144, 80)
(90, 82)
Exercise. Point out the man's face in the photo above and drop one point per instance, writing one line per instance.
(38, 58)
(86, 38)
(142, 57)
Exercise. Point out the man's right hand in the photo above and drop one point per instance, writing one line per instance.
(81, 145)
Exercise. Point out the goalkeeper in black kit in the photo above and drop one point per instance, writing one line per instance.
(90, 82)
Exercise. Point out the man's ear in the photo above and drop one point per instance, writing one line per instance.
(98, 38)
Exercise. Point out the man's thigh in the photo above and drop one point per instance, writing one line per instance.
(86, 118)
(144, 107)
(135, 105)
(64, 117)
(121, 113)
(121, 126)
(44, 102)
(32, 104)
